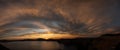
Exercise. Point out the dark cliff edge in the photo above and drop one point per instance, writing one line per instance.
(3, 48)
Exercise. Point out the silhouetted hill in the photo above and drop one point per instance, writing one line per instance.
(105, 42)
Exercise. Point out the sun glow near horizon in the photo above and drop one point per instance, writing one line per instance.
(45, 36)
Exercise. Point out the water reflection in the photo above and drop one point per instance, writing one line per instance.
(37, 45)
(48, 45)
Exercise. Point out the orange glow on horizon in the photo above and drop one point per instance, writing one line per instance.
(41, 36)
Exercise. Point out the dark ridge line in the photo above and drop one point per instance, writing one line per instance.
(40, 39)
(86, 38)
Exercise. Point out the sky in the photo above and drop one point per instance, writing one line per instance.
(90, 17)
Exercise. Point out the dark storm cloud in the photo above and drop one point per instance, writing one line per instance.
(73, 16)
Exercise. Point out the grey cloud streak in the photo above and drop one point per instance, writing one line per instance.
(73, 16)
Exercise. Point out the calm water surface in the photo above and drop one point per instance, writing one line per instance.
(37, 45)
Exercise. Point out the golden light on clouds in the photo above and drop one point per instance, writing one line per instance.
(83, 18)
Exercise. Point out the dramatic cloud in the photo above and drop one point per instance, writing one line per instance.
(89, 17)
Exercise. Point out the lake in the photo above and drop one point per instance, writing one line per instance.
(37, 45)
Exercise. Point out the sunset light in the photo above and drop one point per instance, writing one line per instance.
(41, 36)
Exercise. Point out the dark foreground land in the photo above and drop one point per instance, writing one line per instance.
(105, 42)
